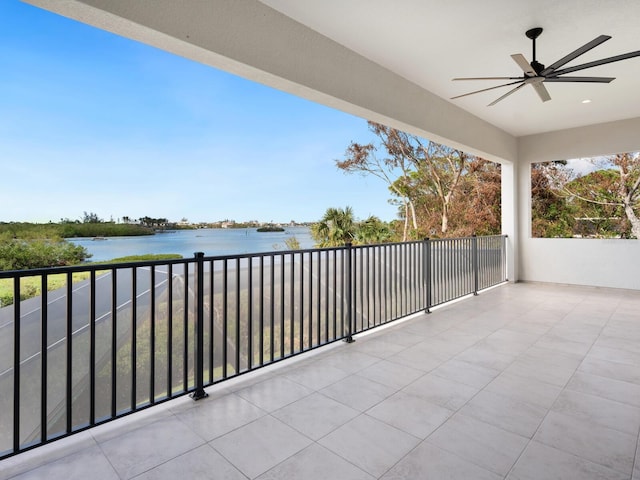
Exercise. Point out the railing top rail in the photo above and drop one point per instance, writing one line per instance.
(466, 238)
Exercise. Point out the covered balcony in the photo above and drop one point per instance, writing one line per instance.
(524, 381)
(537, 378)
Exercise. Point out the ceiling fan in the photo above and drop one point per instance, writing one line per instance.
(536, 74)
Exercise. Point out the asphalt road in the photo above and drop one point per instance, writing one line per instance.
(312, 306)
(30, 314)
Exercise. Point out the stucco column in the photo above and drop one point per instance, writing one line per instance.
(510, 172)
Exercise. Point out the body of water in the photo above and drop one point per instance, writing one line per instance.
(213, 242)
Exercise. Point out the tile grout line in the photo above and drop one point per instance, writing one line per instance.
(532, 439)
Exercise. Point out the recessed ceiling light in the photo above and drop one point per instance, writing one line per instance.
(586, 101)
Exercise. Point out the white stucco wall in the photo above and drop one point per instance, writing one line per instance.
(601, 263)
(604, 263)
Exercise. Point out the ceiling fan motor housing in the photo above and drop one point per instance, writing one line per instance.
(537, 66)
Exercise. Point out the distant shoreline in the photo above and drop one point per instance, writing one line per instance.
(213, 242)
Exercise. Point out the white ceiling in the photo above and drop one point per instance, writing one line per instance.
(429, 42)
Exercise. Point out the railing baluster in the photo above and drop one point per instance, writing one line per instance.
(185, 333)
(451, 283)
(92, 348)
(384, 271)
(408, 277)
(348, 317)
(504, 258)
(238, 290)
(360, 282)
(310, 300)
(404, 250)
(397, 281)
(301, 293)
(212, 310)
(395, 277)
(261, 310)
(170, 332)
(335, 293)
(272, 308)
(282, 305)
(292, 304)
(152, 337)
(16, 364)
(474, 245)
(199, 392)
(225, 311)
(318, 298)
(44, 329)
(377, 290)
(326, 294)
(114, 341)
(368, 287)
(134, 336)
(69, 352)
(249, 317)
(427, 273)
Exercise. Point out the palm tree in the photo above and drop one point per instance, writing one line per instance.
(336, 228)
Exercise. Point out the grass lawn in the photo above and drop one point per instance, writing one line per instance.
(31, 286)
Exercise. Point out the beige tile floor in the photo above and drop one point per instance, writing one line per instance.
(525, 381)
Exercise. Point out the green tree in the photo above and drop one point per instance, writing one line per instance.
(551, 216)
(394, 168)
(615, 190)
(602, 216)
(440, 191)
(337, 227)
(91, 218)
(611, 191)
(373, 230)
(477, 208)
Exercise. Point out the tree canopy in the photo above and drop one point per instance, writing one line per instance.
(339, 226)
(440, 191)
(604, 202)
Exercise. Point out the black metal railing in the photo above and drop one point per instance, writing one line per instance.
(132, 335)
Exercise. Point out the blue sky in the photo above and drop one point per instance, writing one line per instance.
(93, 122)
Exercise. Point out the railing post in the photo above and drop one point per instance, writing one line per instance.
(474, 255)
(427, 273)
(199, 392)
(503, 259)
(348, 317)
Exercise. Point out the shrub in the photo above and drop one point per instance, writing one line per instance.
(27, 254)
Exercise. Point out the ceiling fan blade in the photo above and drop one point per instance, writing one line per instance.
(581, 79)
(485, 89)
(576, 53)
(523, 64)
(596, 63)
(487, 78)
(542, 91)
(513, 90)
